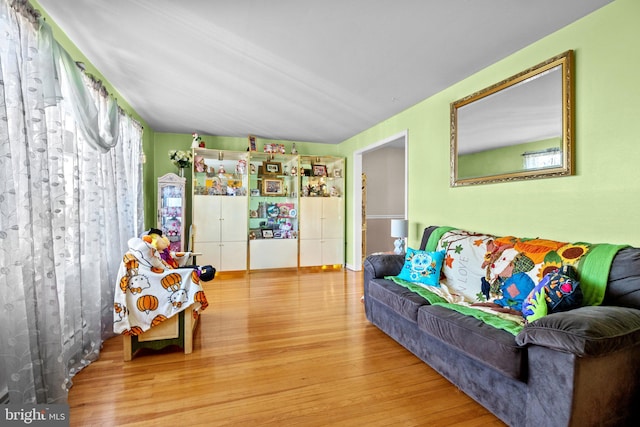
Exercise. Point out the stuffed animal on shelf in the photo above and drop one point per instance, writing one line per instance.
(196, 143)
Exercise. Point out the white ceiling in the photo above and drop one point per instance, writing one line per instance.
(301, 70)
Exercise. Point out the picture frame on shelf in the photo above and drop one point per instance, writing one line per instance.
(267, 233)
(319, 170)
(252, 143)
(255, 192)
(272, 168)
(272, 187)
(337, 173)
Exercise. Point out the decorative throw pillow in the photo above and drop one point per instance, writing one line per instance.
(560, 290)
(422, 267)
(515, 290)
(463, 262)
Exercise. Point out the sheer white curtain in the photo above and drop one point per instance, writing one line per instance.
(70, 197)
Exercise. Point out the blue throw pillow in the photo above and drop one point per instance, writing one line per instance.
(422, 267)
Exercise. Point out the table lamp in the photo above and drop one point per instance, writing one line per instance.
(399, 229)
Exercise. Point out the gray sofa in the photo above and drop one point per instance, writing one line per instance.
(579, 368)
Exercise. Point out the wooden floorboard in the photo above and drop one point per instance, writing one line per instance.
(283, 348)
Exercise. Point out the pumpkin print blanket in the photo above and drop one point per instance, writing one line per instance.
(148, 291)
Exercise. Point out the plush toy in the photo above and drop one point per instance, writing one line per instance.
(559, 290)
(196, 140)
(158, 241)
(161, 243)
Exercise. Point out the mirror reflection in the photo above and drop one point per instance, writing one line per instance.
(517, 129)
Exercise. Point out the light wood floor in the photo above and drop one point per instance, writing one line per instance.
(274, 349)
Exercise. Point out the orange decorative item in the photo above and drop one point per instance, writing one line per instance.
(195, 277)
(171, 282)
(158, 319)
(147, 303)
(136, 330)
(201, 298)
(124, 283)
(130, 262)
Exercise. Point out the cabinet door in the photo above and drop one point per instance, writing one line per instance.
(273, 253)
(332, 218)
(171, 200)
(206, 218)
(311, 218)
(233, 219)
(233, 256)
(210, 254)
(333, 252)
(310, 252)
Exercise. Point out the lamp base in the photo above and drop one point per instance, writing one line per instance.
(398, 247)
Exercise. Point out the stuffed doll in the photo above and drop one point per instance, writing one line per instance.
(158, 241)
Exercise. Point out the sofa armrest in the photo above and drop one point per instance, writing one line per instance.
(381, 265)
(585, 331)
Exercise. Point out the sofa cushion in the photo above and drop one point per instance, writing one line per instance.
(623, 288)
(585, 331)
(491, 346)
(399, 299)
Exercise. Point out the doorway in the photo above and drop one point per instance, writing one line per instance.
(385, 163)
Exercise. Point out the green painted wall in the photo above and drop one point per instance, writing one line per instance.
(500, 160)
(599, 204)
(163, 142)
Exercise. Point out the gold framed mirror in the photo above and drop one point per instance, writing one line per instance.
(518, 129)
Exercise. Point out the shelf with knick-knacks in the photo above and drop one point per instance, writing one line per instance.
(219, 172)
(273, 210)
(219, 208)
(322, 209)
(321, 176)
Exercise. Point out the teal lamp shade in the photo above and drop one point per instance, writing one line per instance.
(399, 230)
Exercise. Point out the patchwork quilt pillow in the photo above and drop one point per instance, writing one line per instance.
(422, 267)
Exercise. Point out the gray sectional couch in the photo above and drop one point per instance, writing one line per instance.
(576, 368)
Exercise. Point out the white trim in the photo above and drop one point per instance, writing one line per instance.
(386, 216)
(357, 193)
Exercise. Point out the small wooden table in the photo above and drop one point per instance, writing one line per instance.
(177, 330)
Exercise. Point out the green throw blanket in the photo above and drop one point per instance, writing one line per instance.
(593, 271)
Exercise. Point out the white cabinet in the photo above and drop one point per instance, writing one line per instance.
(273, 253)
(321, 211)
(273, 211)
(220, 224)
(289, 208)
(321, 231)
(219, 213)
(171, 206)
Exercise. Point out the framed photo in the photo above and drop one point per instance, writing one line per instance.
(272, 168)
(255, 192)
(337, 173)
(272, 187)
(252, 143)
(267, 233)
(319, 170)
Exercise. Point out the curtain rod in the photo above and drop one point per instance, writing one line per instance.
(25, 8)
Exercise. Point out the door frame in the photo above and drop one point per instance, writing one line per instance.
(356, 238)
